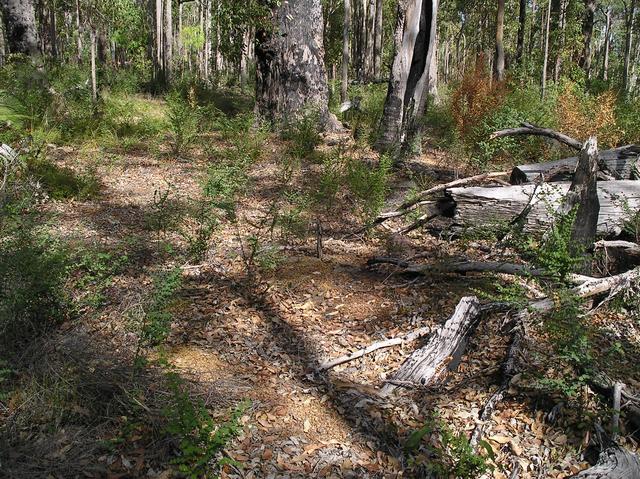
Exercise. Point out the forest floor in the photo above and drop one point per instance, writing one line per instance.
(259, 337)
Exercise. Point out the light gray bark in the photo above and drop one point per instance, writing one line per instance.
(168, 39)
(290, 70)
(499, 65)
(20, 26)
(413, 42)
(480, 206)
(346, 52)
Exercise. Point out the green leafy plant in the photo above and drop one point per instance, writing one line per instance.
(447, 454)
(183, 122)
(304, 134)
(200, 439)
(156, 323)
(369, 184)
(94, 271)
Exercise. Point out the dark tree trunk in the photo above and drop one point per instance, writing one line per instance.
(20, 25)
(587, 33)
(413, 42)
(522, 23)
(290, 70)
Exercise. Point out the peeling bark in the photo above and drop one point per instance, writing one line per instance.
(20, 25)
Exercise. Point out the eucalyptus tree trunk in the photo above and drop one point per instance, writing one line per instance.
(499, 63)
(522, 24)
(607, 44)
(206, 61)
(630, 13)
(377, 43)
(545, 60)
(159, 55)
(346, 51)
(20, 26)
(168, 39)
(290, 71)
(414, 39)
(78, 33)
(93, 54)
(369, 31)
(587, 33)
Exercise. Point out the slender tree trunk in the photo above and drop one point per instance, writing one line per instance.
(159, 56)
(630, 14)
(290, 70)
(587, 33)
(377, 46)
(413, 41)
(370, 34)
(20, 26)
(168, 39)
(499, 61)
(207, 41)
(432, 82)
(78, 33)
(346, 50)
(179, 44)
(607, 43)
(545, 60)
(94, 81)
(522, 23)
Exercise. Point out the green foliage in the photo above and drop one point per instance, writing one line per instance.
(156, 324)
(32, 274)
(94, 271)
(63, 182)
(365, 120)
(447, 454)
(200, 439)
(304, 134)
(369, 184)
(183, 122)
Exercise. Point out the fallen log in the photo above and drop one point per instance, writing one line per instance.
(484, 206)
(613, 463)
(529, 129)
(420, 198)
(625, 161)
(442, 353)
(462, 267)
(617, 256)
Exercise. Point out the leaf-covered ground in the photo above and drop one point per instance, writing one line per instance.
(260, 337)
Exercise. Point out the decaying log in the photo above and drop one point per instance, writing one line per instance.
(613, 463)
(625, 161)
(509, 369)
(443, 351)
(617, 256)
(387, 343)
(583, 196)
(421, 198)
(462, 267)
(483, 206)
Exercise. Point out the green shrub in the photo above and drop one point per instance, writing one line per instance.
(156, 323)
(32, 274)
(304, 134)
(453, 456)
(182, 119)
(369, 184)
(200, 440)
(63, 182)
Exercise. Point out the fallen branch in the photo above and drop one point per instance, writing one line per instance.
(590, 288)
(474, 267)
(613, 463)
(509, 369)
(529, 129)
(442, 353)
(387, 343)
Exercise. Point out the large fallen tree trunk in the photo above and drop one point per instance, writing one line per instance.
(625, 161)
(617, 256)
(613, 463)
(482, 206)
(442, 353)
